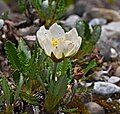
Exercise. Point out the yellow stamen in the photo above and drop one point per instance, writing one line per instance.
(54, 42)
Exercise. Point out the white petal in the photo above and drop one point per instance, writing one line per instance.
(47, 46)
(69, 48)
(57, 31)
(59, 51)
(72, 35)
(43, 34)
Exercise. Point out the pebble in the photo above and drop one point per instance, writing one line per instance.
(1, 23)
(105, 88)
(113, 79)
(94, 108)
(114, 53)
(117, 72)
(97, 21)
(71, 21)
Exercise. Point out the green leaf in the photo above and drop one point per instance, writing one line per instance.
(60, 87)
(17, 92)
(29, 98)
(11, 53)
(42, 84)
(37, 4)
(24, 52)
(21, 5)
(6, 88)
(80, 28)
(83, 29)
(65, 68)
(56, 91)
(90, 66)
(95, 34)
(60, 8)
(16, 76)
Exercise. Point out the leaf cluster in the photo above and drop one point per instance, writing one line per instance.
(89, 36)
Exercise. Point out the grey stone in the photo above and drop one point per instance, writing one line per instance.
(117, 72)
(95, 108)
(97, 21)
(113, 79)
(4, 7)
(110, 39)
(108, 14)
(71, 21)
(1, 23)
(105, 88)
(104, 49)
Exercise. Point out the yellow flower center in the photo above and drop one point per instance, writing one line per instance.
(55, 42)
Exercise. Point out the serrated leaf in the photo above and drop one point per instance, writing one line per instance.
(11, 53)
(29, 98)
(60, 8)
(56, 91)
(90, 66)
(95, 34)
(60, 86)
(80, 28)
(6, 88)
(19, 87)
(83, 29)
(42, 84)
(24, 52)
(16, 76)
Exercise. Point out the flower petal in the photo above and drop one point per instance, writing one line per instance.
(57, 31)
(47, 46)
(59, 50)
(72, 35)
(69, 48)
(43, 34)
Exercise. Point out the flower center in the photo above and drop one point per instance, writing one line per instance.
(54, 42)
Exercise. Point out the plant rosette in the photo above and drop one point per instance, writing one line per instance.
(57, 44)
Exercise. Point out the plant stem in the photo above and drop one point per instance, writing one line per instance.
(54, 71)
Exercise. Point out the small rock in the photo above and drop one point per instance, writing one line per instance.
(117, 72)
(113, 79)
(31, 30)
(1, 23)
(108, 14)
(105, 88)
(114, 53)
(97, 21)
(109, 42)
(118, 101)
(104, 49)
(71, 21)
(80, 7)
(95, 108)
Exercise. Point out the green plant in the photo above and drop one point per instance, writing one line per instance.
(48, 11)
(34, 70)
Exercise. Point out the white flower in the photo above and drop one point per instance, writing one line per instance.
(56, 43)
